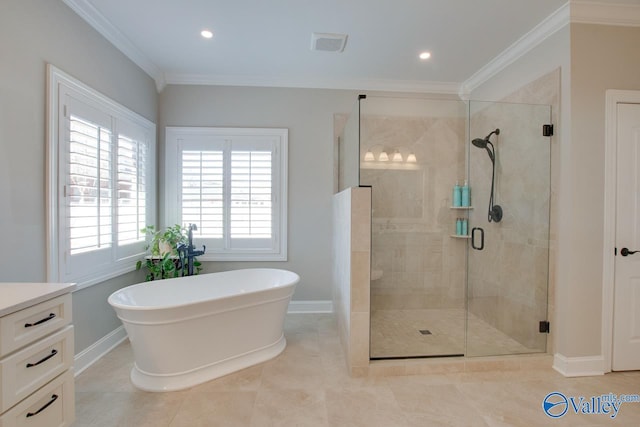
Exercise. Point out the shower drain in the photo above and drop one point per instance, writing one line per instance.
(425, 332)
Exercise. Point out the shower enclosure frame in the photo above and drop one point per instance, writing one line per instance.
(477, 200)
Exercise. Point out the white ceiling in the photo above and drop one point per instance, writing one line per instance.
(267, 42)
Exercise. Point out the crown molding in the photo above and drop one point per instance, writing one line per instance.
(554, 22)
(594, 12)
(574, 11)
(383, 85)
(103, 26)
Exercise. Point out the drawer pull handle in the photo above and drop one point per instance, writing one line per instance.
(53, 353)
(39, 322)
(53, 399)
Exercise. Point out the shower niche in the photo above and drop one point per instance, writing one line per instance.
(434, 291)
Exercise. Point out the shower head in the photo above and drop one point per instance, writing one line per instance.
(485, 143)
(480, 142)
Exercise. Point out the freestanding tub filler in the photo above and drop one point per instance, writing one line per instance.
(190, 330)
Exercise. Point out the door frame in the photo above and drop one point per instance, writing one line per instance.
(612, 98)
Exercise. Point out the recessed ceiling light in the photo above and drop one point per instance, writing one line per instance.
(206, 34)
(425, 55)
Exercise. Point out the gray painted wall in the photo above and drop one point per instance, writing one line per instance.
(32, 34)
(308, 114)
(617, 67)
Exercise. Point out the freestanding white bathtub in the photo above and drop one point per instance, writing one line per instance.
(190, 330)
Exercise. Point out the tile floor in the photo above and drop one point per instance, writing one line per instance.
(396, 333)
(307, 385)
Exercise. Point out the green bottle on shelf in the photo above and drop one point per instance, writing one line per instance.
(465, 199)
(457, 196)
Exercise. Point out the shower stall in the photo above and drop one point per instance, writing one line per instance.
(452, 278)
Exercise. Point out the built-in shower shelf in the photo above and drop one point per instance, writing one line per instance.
(461, 208)
(459, 236)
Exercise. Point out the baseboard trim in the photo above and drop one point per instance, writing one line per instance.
(297, 307)
(578, 366)
(97, 350)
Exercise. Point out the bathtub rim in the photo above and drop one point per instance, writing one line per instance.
(125, 307)
(171, 320)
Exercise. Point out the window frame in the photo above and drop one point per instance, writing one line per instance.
(216, 137)
(117, 259)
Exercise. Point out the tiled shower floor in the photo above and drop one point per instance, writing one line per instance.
(396, 333)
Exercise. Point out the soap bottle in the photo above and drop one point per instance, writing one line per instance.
(459, 227)
(457, 195)
(465, 228)
(465, 199)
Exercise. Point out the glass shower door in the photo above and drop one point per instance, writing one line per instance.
(412, 151)
(508, 255)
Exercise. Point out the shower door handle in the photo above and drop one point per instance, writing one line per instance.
(473, 238)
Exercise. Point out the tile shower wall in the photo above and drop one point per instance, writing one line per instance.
(415, 264)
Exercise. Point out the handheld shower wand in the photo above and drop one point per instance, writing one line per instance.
(495, 211)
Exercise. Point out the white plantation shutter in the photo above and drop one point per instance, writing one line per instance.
(231, 183)
(134, 175)
(89, 192)
(131, 190)
(202, 192)
(101, 184)
(251, 207)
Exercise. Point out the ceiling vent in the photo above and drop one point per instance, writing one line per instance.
(327, 42)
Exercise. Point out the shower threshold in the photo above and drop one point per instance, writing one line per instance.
(435, 356)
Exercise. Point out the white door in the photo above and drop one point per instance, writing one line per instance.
(626, 317)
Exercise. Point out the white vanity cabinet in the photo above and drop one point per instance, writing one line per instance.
(36, 355)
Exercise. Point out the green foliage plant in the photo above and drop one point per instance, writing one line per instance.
(162, 245)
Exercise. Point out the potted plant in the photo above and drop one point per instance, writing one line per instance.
(164, 261)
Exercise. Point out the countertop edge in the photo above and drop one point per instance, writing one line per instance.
(23, 295)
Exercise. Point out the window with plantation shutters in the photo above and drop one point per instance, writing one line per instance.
(231, 183)
(100, 185)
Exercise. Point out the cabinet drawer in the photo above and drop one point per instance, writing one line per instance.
(25, 371)
(25, 326)
(51, 406)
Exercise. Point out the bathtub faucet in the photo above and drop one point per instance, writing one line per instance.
(192, 228)
(189, 252)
